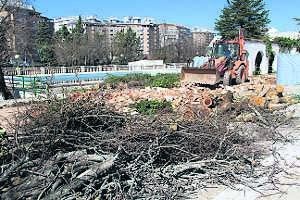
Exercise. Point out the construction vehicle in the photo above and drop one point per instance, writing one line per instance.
(228, 64)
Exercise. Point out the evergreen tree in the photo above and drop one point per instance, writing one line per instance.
(71, 47)
(79, 39)
(78, 30)
(250, 15)
(127, 46)
(44, 43)
(63, 33)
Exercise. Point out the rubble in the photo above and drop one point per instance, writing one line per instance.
(192, 101)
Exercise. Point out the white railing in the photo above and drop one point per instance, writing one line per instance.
(9, 71)
(30, 71)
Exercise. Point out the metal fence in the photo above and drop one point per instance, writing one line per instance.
(21, 85)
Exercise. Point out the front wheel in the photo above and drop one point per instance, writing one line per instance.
(227, 78)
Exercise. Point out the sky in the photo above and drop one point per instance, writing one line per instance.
(191, 13)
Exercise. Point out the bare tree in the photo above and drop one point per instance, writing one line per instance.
(180, 51)
(96, 50)
(62, 52)
(88, 48)
(6, 8)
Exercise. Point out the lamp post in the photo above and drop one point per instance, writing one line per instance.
(17, 57)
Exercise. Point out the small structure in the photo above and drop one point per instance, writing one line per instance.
(146, 64)
(259, 62)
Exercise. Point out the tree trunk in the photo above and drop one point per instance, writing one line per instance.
(3, 89)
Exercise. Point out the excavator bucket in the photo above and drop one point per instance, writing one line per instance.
(201, 76)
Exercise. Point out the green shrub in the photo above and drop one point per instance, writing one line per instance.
(127, 78)
(132, 80)
(159, 80)
(165, 81)
(78, 89)
(151, 107)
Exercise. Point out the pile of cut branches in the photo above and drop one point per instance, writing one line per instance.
(82, 150)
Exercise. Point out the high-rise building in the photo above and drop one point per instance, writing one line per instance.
(70, 22)
(201, 41)
(22, 30)
(145, 29)
(172, 33)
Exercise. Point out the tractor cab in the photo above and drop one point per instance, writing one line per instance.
(228, 50)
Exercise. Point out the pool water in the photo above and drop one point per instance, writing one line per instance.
(65, 78)
(87, 76)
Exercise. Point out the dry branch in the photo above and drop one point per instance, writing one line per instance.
(80, 149)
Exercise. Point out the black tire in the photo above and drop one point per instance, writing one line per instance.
(227, 79)
(240, 78)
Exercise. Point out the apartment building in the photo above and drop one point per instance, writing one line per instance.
(201, 40)
(21, 35)
(172, 33)
(70, 22)
(145, 29)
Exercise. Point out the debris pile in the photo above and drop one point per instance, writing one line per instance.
(194, 101)
(82, 150)
(262, 91)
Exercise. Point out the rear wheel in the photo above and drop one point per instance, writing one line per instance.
(240, 77)
(227, 78)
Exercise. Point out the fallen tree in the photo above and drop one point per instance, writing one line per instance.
(70, 149)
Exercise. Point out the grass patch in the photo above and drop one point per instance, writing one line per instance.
(133, 80)
(152, 107)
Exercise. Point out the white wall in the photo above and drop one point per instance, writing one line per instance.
(288, 69)
(139, 65)
(276, 50)
(254, 47)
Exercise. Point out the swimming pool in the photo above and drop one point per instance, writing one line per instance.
(85, 76)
